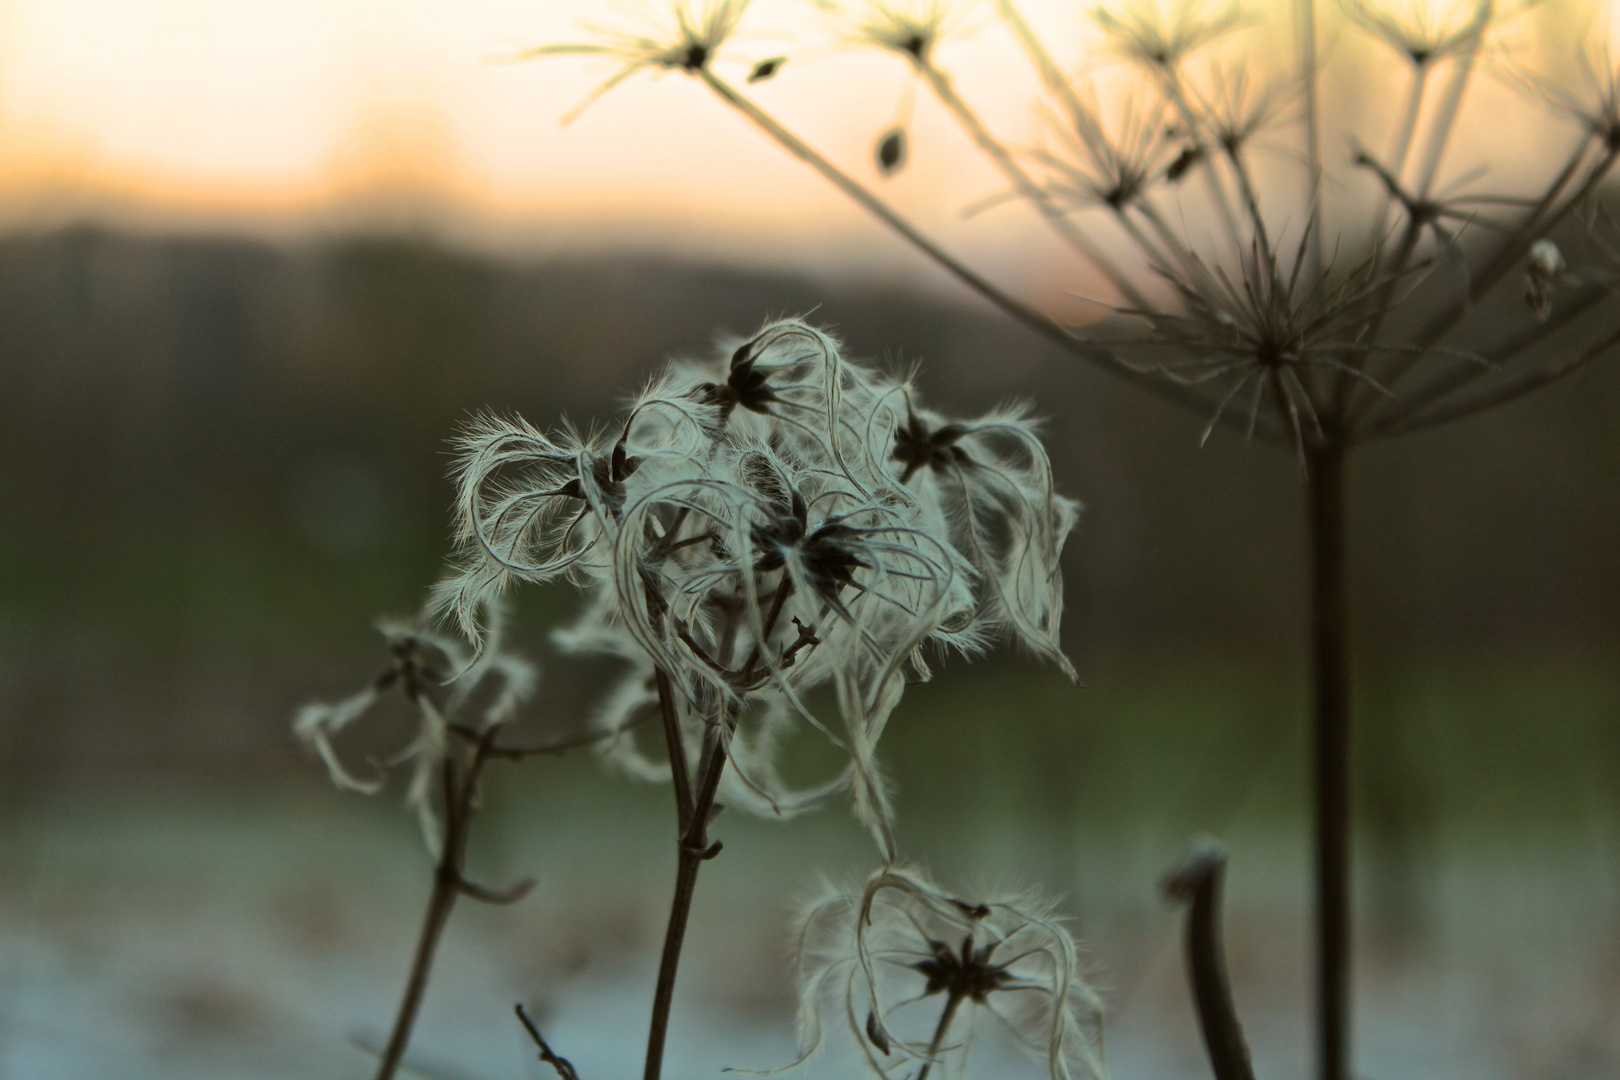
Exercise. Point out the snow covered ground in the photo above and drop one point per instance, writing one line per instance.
(179, 934)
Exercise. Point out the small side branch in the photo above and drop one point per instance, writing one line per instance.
(1509, 391)
(450, 883)
(564, 1068)
(551, 748)
(1198, 883)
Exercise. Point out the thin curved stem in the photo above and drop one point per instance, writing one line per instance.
(1404, 413)
(1511, 391)
(992, 148)
(440, 903)
(1031, 317)
(1198, 882)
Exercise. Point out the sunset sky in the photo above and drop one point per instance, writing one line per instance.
(307, 115)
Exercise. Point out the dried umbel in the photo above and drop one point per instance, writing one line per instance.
(1333, 278)
(913, 971)
(758, 528)
(451, 692)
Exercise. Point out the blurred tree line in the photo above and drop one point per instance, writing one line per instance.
(220, 458)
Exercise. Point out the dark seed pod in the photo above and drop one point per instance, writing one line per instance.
(766, 69)
(875, 1034)
(1190, 155)
(891, 151)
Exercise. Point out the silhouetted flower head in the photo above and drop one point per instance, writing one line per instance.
(911, 30)
(1159, 39)
(1426, 37)
(1379, 322)
(687, 40)
(1098, 164)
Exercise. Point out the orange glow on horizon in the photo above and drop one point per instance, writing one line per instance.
(320, 113)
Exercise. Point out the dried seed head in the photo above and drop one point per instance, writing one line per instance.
(687, 42)
(913, 970)
(910, 29)
(1422, 38)
(765, 525)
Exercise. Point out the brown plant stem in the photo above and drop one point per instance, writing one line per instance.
(693, 851)
(440, 904)
(450, 881)
(1330, 756)
(1199, 881)
(944, 1025)
(449, 884)
(694, 811)
(560, 1065)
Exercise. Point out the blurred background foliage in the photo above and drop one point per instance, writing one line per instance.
(220, 459)
(223, 458)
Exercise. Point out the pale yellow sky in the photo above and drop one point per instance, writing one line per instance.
(311, 114)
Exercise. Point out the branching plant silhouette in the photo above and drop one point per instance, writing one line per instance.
(1312, 281)
(777, 522)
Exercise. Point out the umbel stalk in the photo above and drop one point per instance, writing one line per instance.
(1330, 757)
(693, 849)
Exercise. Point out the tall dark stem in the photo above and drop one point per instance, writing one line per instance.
(440, 904)
(450, 881)
(944, 1025)
(693, 848)
(1198, 883)
(693, 851)
(1330, 757)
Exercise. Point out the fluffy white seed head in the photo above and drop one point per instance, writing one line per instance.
(914, 971)
(760, 526)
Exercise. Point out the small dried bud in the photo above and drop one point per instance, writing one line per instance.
(1546, 259)
(1545, 272)
(891, 151)
(878, 1037)
(766, 69)
(1190, 155)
